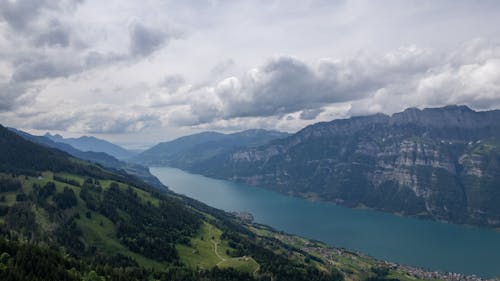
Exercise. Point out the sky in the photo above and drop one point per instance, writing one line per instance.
(140, 72)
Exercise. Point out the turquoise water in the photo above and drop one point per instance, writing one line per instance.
(423, 243)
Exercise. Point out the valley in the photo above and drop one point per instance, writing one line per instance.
(243, 140)
(115, 216)
(437, 163)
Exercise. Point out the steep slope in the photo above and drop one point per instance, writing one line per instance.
(86, 143)
(100, 158)
(187, 151)
(442, 163)
(86, 222)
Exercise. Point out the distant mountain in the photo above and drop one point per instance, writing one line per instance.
(101, 158)
(441, 163)
(190, 150)
(86, 143)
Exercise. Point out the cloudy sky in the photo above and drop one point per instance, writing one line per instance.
(138, 72)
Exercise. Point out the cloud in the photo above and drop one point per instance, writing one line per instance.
(172, 83)
(222, 69)
(275, 65)
(282, 85)
(35, 69)
(55, 35)
(145, 40)
(477, 84)
(310, 114)
(285, 85)
(470, 75)
(10, 95)
(405, 77)
(43, 42)
(19, 14)
(99, 119)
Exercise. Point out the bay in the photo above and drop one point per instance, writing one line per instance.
(423, 243)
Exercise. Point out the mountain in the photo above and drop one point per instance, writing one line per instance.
(100, 158)
(189, 150)
(440, 163)
(62, 218)
(65, 219)
(86, 143)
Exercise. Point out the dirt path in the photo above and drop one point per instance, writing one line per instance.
(257, 269)
(222, 259)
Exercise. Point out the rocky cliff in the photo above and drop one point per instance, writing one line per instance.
(442, 163)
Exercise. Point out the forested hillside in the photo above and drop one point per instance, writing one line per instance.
(100, 158)
(66, 219)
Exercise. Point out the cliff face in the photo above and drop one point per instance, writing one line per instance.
(442, 163)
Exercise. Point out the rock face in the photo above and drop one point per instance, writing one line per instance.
(442, 163)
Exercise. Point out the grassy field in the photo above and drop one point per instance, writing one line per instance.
(101, 232)
(246, 264)
(208, 250)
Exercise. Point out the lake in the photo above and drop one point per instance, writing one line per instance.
(423, 243)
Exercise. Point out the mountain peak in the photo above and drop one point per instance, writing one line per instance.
(91, 143)
(458, 107)
(447, 116)
(53, 137)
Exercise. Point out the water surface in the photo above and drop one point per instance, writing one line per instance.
(423, 243)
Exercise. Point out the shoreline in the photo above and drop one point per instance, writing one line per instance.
(332, 243)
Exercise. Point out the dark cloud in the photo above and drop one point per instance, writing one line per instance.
(286, 85)
(145, 40)
(95, 59)
(55, 35)
(33, 70)
(403, 78)
(9, 95)
(19, 14)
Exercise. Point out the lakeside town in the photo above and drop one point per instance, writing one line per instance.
(332, 255)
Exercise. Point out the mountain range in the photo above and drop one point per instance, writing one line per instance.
(100, 158)
(438, 163)
(89, 143)
(64, 218)
(186, 151)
